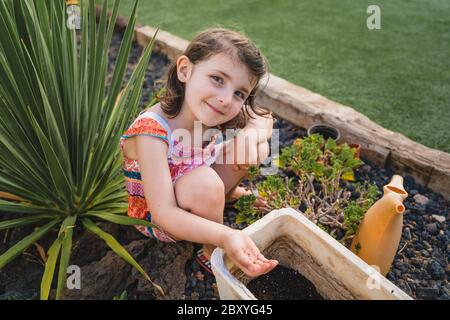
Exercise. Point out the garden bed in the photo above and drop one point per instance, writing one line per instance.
(420, 267)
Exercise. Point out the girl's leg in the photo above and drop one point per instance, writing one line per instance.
(231, 178)
(201, 192)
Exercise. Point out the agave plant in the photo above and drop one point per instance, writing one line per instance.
(60, 165)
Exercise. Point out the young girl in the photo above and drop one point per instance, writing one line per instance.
(174, 183)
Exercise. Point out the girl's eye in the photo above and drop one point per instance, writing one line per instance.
(240, 95)
(220, 80)
(217, 79)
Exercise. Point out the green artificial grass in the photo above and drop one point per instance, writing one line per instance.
(398, 76)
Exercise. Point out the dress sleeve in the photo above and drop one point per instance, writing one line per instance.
(146, 127)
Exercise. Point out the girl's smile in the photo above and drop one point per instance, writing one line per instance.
(215, 109)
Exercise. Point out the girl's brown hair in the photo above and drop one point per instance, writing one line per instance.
(204, 45)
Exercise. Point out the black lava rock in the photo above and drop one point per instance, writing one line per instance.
(420, 209)
(409, 182)
(432, 228)
(435, 270)
(432, 206)
(427, 293)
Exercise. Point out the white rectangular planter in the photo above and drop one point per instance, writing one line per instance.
(297, 243)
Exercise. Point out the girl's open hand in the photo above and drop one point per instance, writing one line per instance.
(243, 252)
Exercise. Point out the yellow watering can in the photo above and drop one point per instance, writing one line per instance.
(379, 234)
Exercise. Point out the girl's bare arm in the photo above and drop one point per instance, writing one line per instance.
(160, 196)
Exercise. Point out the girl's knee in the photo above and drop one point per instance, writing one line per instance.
(200, 188)
(211, 189)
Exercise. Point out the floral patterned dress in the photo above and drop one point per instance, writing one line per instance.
(181, 160)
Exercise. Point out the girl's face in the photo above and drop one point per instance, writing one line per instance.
(216, 88)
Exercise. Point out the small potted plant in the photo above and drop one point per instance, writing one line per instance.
(325, 131)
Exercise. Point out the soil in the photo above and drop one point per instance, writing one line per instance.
(420, 267)
(283, 284)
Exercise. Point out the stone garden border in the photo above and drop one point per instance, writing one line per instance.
(303, 107)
